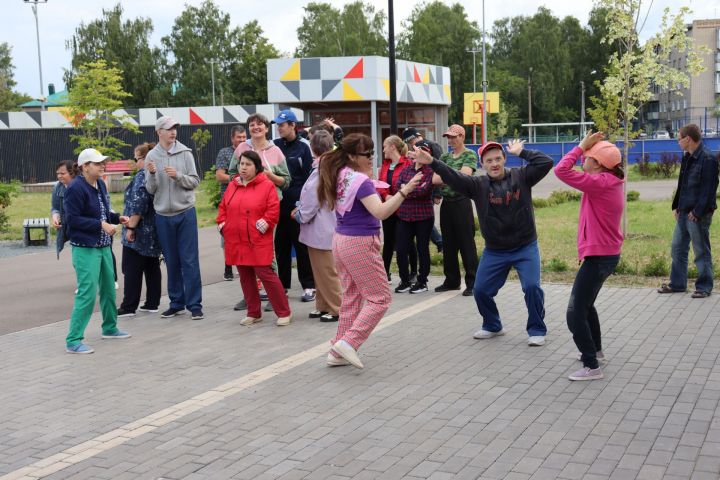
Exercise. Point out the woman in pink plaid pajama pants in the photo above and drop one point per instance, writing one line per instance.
(345, 186)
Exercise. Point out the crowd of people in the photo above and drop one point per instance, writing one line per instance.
(320, 200)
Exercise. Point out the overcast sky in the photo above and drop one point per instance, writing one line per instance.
(278, 18)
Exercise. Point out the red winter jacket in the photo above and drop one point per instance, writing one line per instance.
(241, 207)
(382, 175)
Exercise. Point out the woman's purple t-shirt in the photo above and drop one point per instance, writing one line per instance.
(358, 222)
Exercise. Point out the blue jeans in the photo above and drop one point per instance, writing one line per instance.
(699, 234)
(491, 276)
(178, 237)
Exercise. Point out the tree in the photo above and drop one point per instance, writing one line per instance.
(200, 138)
(439, 34)
(633, 69)
(328, 32)
(9, 98)
(95, 95)
(125, 44)
(247, 78)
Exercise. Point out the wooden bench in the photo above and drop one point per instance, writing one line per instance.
(116, 173)
(119, 166)
(42, 224)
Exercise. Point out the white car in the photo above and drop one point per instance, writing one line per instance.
(709, 133)
(662, 135)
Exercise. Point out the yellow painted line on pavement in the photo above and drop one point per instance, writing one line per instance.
(113, 438)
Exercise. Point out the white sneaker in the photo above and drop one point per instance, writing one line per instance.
(283, 321)
(345, 350)
(247, 321)
(116, 286)
(333, 361)
(536, 340)
(482, 334)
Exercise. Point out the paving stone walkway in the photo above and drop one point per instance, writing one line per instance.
(213, 400)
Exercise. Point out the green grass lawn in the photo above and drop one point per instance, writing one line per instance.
(645, 258)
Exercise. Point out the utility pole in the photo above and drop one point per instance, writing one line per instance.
(33, 5)
(474, 51)
(530, 128)
(582, 109)
(212, 77)
(484, 81)
(393, 75)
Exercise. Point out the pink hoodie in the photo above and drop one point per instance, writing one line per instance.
(601, 207)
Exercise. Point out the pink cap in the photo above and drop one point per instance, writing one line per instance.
(606, 153)
(455, 131)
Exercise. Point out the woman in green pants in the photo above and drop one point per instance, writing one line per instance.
(91, 224)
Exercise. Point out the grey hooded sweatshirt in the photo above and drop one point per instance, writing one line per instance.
(172, 195)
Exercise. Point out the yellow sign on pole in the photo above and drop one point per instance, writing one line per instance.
(472, 112)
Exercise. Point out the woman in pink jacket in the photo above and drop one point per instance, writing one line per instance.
(600, 239)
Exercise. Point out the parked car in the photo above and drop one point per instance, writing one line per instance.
(709, 133)
(662, 135)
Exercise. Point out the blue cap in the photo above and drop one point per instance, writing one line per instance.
(285, 116)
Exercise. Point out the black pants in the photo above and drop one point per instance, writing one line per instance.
(458, 230)
(134, 266)
(389, 226)
(286, 237)
(420, 232)
(582, 317)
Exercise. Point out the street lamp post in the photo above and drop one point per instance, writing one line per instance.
(474, 51)
(582, 109)
(484, 81)
(212, 78)
(33, 5)
(530, 128)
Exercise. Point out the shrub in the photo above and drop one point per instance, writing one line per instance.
(643, 166)
(557, 265)
(436, 259)
(7, 192)
(692, 272)
(633, 195)
(656, 267)
(561, 196)
(212, 187)
(624, 268)
(667, 165)
(540, 203)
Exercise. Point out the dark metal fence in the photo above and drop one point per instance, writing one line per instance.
(30, 155)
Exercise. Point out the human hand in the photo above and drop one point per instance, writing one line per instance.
(220, 227)
(420, 155)
(124, 220)
(130, 235)
(437, 200)
(676, 214)
(292, 214)
(170, 171)
(414, 182)
(150, 166)
(108, 228)
(56, 221)
(515, 146)
(590, 140)
(330, 121)
(262, 225)
(691, 216)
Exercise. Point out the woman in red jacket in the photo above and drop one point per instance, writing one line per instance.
(394, 162)
(247, 216)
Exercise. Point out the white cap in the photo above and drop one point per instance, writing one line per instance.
(91, 155)
(166, 123)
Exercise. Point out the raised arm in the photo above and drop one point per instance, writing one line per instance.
(463, 184)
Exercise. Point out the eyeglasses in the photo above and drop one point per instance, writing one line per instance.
(369, 154)
(137, 159)
(451, 136)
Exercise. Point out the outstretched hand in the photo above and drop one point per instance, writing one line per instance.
(590, 140)
(515, 146)
(419, 155)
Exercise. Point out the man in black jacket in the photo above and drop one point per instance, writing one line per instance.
(503, 201)
(299, 161)
(693, 206)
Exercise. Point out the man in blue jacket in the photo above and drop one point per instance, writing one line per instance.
(299, 161)
(693, 207)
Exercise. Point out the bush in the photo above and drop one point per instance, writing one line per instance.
(540, 203)
(557, 265)
(7, 192)
(644, 167)
(656, 267)
(436, 259)
(633, 195)
(667, 165)
(624, 268)
(212, 187)
(562, 196)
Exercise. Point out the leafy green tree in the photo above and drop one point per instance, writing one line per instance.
(9, 98)
(247, 69)
(95, 95)
(200, 138)
(328, 32)
(439, 34)
(125, 43)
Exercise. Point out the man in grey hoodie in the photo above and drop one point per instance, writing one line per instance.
(172, 179)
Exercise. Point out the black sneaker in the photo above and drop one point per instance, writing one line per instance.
(403, 287)
(419, 288)
(329, 317)
(241, 305)
(197, 315)
(228, 275)
(171, 312)
(468, 292)
(125, 313)
(145, 308)
(445, 288)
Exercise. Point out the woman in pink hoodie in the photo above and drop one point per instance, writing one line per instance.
(600, 240)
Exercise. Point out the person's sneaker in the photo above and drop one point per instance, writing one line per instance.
(119, 335)
(117, 286)
(403, 287)
(346, 351)
(171, 312)
(389, 279)
(599, 355)
(268, 307)
(247, 321)
(316, 314)
(197, 315)
(308, 295)
(468, 292)
(483, 334)
(283, 321)
(264, 296)
(333, 361)
(125, 313)
(536, 340)
(79, 348)
(75, 292)
(419, 288)
(145, 308)
(586, 373)
(329, 317)
(445, 288)
(241, 305)
(228, 275)
(413, 278)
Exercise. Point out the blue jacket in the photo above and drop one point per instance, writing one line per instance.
(698, 183)
(299, 162)
(139, 202)
(82, 211)
(56, 206)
